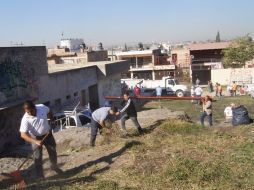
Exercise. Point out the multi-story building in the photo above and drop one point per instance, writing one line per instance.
(147, 64)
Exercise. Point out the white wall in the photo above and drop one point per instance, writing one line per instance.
(226, 76)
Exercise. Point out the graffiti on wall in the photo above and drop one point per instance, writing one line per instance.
(17, 79)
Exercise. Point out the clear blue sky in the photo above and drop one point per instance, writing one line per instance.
(35, 22)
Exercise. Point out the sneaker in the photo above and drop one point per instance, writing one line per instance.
(140, 130)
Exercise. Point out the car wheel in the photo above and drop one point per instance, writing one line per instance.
(179, 93)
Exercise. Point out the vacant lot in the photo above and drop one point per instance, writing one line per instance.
(172, 154)
(193, 110)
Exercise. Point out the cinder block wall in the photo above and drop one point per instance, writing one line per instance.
(20, 70)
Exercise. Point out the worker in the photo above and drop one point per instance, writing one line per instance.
(137, 91)
(207, 111)
(158, 91)
(198, 93)
(192, 93)
(219, 90)
(234, 88)
(197, 81)
(34, 127)
(99, 117)
(129, 112)
(228, 113)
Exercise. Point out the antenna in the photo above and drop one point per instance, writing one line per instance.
(62, 34)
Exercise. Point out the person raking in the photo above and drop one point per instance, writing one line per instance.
(34, 127)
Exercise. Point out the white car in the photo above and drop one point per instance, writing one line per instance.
(65, 120)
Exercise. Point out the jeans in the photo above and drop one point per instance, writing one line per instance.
(203, 116)
(95, 126)
(134, 120)
(50, 145)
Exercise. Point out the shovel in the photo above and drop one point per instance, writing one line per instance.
(16, 176)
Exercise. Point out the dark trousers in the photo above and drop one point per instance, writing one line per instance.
(203, 116)
(50, 145)
(134, 120)
(95, 126)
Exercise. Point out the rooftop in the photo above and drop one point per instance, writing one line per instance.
(129, 53)
(209, 46)
(104, 66)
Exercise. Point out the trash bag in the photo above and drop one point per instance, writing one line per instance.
(240, 116)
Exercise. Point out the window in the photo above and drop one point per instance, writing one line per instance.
(68, 97)
(58, 102)
(171, 82)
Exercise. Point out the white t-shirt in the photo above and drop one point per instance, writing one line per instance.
(158, 91)
(101, 114)
(198, 91)
(36, 125)
(228, 112)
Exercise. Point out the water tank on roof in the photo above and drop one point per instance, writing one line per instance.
(100, 46)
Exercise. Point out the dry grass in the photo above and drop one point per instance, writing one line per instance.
(180, 155)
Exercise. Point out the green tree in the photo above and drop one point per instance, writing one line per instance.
(238, 52)
(218, 37)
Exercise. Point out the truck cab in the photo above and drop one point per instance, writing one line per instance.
(173, 87)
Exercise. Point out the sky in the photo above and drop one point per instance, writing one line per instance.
(115, 22)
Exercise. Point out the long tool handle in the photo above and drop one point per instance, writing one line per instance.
(22, 164)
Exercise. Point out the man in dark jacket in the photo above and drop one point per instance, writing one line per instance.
(129, 112)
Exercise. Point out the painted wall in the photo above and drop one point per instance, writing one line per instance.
(227, 76)
(20, 69)
(62, 84)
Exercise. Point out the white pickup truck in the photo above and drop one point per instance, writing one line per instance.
(169, 84)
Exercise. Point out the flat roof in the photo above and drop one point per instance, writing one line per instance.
(129, 53)
(55, 68)
(209, 46)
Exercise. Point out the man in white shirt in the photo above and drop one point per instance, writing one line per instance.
(198, 93)
(228, 113)
(158, 91)
(34, 127)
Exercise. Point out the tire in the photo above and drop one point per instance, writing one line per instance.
(179, 93)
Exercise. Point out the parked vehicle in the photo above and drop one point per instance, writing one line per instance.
(68, 119)
(169, 84)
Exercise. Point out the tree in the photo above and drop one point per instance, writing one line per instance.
(218, 37)
(238, 52)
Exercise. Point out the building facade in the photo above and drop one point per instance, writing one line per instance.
(147, 64)
(25, 75)
(204, 58)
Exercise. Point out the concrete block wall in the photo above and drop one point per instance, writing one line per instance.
(226, 76)
(20, 69)
(109, 86)
(59, 85)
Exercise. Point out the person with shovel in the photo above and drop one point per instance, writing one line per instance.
(36, 130)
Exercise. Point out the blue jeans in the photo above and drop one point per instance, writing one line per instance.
(203, 116)
(95, 127)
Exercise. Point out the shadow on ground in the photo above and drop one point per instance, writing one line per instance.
(68, 176)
